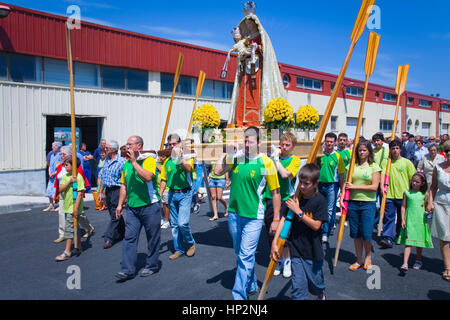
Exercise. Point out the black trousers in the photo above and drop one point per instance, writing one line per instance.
(116, 228)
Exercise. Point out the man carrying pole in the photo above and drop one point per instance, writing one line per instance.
(402, 75)
(371, 57)
(358, 29)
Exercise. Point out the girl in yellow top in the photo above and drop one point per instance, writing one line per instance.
(362, 205)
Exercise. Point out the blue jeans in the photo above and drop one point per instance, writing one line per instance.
(392, 222)
(307, 275)
(329, 191)
(180, 214)
(148, 217)
(360, 218)
(245, 234)
(198, 182)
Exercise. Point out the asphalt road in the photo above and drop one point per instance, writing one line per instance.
(28, 269)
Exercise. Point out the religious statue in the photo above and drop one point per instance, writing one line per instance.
(258, 78)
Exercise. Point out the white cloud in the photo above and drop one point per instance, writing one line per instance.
(99, 5)
(179, 32)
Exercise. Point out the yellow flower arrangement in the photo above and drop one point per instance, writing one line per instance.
(307, 118)
(278, 114)
(206, 116)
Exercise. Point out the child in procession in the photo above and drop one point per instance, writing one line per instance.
(305, 236)
(71, 209)
(415, 231)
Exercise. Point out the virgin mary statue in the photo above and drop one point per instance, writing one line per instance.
(258, 78)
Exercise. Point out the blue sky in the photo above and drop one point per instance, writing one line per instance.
(310, 34)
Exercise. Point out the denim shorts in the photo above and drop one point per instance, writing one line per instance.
(216, 183)
(361, 215)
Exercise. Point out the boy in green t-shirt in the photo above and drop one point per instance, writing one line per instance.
(287, 166)
(401, 173)
(71, 209)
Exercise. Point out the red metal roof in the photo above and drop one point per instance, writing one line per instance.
(38, 33)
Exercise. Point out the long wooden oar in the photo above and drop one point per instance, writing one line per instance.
(72, 125)
(363, 15)
(200, 82)
(402, 76)
(371, 57)
(175, 83)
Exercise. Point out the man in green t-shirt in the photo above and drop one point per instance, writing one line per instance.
(251, 172)
(380, 153)
(400, 176)
(332, 169)
(287, 165)
(144, 210)
(176, 173)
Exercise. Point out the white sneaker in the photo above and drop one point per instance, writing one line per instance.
(165, 225)
(278, 269)
(287, 273)
(324, 239)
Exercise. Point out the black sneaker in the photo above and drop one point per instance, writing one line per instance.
(386, 243)
(122, 277)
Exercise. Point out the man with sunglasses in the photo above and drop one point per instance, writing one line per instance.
(176, 173)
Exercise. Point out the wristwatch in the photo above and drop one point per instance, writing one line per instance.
(300, 215)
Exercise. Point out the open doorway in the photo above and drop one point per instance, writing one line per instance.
(89, 131)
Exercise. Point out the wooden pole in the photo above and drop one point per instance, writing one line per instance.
(175, 83)
(358, 29)
(200, 82)
(402, 76)
(73, 128)
(371, 57)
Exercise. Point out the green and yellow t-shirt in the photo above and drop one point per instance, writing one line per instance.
(68, 193)
(400, 176)
(331, 165)
(139, 192)
(249, 179)
(362, 176)
(177, 178)
(291, 164)
(158, 179)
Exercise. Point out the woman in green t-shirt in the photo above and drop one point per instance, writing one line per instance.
(362, 204)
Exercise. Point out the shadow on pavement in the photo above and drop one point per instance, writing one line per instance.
(429, 264)
(438, 295)
(226, 279)
(217, 237)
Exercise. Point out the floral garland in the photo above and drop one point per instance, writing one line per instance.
(206, 116)
(278, 114)
(307, 118)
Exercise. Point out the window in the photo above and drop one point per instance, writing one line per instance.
(445, 107)
(113, 78)
(223, 90)
(137, 80)
(354, 91)
(56, 71)
(351, 127)
(426, 129)
(388, 97)
(87, 75)
(444, 128)
(333, 122)
(425, 103)
(3, 66)
(286, 80)
(188, 86)
(208, 89)
(306, 83)
(410, 101)
(386, 125)
(24, 68)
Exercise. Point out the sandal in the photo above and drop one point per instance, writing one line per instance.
(368, 265)
(404, 267)
(417, 265)
(354, 266)
(446, 275)
(63, 256)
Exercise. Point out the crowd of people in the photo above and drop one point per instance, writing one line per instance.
(159, 190)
